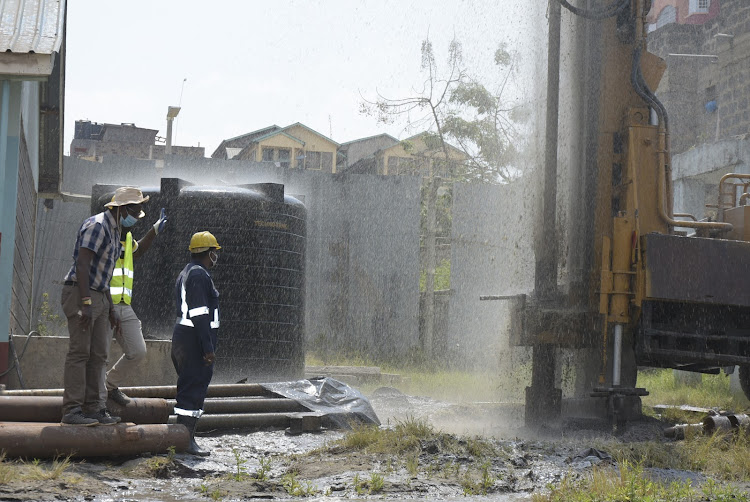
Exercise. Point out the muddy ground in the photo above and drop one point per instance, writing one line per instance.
(528, 463)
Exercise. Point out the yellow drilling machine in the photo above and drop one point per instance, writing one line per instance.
(655, 288)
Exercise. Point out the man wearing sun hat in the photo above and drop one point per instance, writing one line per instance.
(88, 306)
(130, 336)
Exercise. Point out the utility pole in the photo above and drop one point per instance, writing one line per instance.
(172, 112)
(430, 263)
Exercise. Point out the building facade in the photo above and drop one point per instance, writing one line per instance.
(351, 152)
(93, 141)
(419, 155)
(706, 88)
(32, 75)
(296, 147)
(665, 12)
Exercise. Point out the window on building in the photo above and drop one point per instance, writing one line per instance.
(405, 166)
(284, 157)
(698, 6)
(392, 165)
(312, 160)
(267, 154)
(326, 161)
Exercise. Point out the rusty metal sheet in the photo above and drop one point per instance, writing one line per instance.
(698, 270)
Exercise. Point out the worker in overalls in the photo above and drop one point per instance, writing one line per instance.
(195, 334)
(129, 336)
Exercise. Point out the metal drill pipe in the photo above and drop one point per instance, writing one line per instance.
(162, 391)
(47, 440)
(240, 420)
(49, 409)
(252, 405)
(617, 357)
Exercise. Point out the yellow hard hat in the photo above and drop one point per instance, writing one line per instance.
(203, 241)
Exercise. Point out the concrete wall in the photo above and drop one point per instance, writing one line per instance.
(43, 360)
(363, 237)
(492, 254)
(696, 173)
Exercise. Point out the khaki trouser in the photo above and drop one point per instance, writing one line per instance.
(88, 348)
(133, 347)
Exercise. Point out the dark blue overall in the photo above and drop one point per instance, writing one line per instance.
(195, 335)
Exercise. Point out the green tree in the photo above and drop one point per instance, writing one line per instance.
(484, 126)
(456, 108)
(426, 108)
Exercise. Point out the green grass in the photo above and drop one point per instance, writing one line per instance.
(37, 471)
(712, 392)
(629, 483)
(445, 385)
(725, 456)
(7, 470)
(406, 439)
(296, 488)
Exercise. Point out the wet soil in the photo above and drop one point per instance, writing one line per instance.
(526, 463)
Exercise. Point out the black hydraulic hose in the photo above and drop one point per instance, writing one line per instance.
(642, 89)
(640, 85)
(615, 8)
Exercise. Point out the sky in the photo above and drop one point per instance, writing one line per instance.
(238, 66)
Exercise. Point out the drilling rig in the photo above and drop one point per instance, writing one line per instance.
(657, 288)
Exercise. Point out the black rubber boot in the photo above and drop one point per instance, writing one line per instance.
(190, 423)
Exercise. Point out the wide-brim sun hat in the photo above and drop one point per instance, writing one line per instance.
(127, 195)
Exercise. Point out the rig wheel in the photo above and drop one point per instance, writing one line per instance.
(744, 375)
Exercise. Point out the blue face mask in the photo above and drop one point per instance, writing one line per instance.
(129, 221)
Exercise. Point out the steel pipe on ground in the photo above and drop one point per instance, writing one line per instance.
(714, 423)
(163, 391)
(310, 421)
(47, 440)
(49, 409)
(252, 405)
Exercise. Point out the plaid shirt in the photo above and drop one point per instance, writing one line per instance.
(101, 235)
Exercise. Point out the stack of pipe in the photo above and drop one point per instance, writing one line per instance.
(30, 420)
(710, 424)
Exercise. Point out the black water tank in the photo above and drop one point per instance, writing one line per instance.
(260, 274)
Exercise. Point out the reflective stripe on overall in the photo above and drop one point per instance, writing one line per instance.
(197, 311)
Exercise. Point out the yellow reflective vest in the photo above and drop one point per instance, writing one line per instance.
(121, 285)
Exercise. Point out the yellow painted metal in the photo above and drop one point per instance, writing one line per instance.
(739, 217)
(621, 268)
(606, 277)
(728, 192)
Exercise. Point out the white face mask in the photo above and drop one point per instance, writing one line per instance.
(214, 257)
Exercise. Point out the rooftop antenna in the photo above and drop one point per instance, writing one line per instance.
(330, 127)
(179, 105)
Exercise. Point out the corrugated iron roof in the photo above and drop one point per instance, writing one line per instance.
(31, 26)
